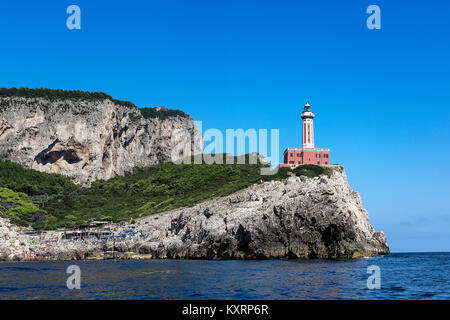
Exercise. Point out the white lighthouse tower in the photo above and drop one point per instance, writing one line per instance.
(307, 127)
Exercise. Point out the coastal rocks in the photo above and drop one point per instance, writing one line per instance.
(88, 140)
(12, 243)
(296, 218)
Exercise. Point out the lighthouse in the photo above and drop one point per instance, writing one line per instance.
(307, 154)
(308, 127)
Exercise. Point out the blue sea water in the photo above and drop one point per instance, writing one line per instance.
(403, 276)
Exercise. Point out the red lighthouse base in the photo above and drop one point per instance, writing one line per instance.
(298, 156)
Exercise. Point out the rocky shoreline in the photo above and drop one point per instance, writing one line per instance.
(300, 217)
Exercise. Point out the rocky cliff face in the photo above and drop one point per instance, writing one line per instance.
(297, 218)
(88, 140)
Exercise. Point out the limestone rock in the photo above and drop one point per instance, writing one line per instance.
(88, 140)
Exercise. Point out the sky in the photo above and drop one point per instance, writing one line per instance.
(381, 97)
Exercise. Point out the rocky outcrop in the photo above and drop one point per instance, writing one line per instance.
(297, 218)
(89, 140)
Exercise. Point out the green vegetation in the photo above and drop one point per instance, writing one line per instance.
(17, 207)
(161, 113)
(54, 94)
(311, 171)
(142, 192)
(32, 182)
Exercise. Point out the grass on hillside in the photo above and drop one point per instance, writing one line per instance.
(142, 192)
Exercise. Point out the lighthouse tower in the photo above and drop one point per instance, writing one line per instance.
(307, 127)
(307, 154)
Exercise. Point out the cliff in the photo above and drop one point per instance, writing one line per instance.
(87, 136)
(298, 217)
(218, 212)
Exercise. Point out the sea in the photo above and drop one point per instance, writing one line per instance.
(394, 276)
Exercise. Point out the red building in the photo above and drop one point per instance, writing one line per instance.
(307, 154)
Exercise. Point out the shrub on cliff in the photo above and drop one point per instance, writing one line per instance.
(17, 207)
(161, 113)
(311, 170)
(55, 94)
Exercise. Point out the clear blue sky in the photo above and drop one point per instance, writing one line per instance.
(381, 97)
